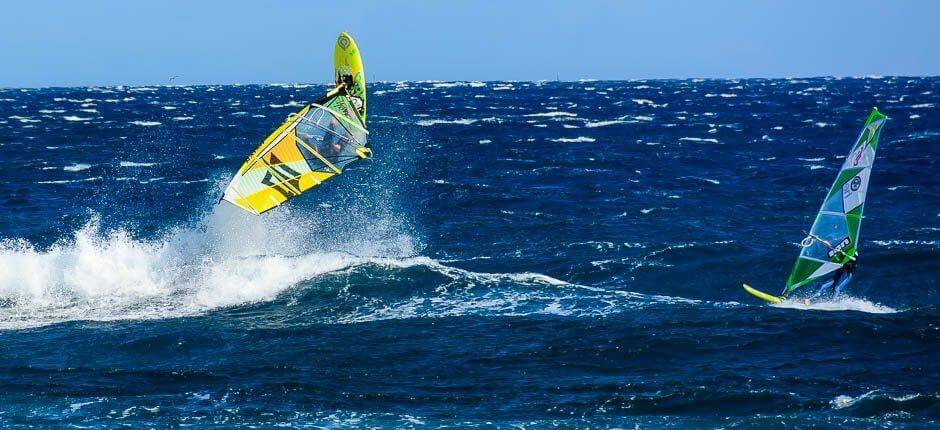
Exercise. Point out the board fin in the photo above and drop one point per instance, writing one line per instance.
(762, 295)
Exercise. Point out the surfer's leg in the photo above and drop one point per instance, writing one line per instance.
(822, 290)
(842, 284)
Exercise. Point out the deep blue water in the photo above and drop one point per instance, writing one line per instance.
(560, 254)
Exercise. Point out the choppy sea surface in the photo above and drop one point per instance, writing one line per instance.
(516, 255)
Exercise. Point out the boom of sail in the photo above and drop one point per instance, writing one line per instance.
(833, 239)
(313, 145)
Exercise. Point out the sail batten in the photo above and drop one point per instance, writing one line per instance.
(833, 238)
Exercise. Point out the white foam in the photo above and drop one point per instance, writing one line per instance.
(431, 122)
(698, 139)
(506, 294)
(136, 164)
(552, 114)
(292, 103)
(146, 123)
(194, 181)
(230, 259)
(711, 181)
(76, 118)
(905, 243)
(98, 275)
(839, 302)
(77, 167)
(64, 181)
(843, 401)
(579, 139)
(594, 124)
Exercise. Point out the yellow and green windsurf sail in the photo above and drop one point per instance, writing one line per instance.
(313, 145)
(833, 238)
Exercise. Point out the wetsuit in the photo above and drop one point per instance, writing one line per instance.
(843, 275)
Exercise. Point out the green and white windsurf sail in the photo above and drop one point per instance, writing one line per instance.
(833, 239)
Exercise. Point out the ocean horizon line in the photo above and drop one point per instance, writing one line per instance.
(420, 81)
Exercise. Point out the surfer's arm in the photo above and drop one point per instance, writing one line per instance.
(329, 94)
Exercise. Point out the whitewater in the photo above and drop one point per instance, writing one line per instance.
(515, 254)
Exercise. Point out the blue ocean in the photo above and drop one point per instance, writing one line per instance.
(515, 255)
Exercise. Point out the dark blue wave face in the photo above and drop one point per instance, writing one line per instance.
(517, 254)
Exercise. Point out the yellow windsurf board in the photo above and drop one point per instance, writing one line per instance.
(762, 295)
(347, 65)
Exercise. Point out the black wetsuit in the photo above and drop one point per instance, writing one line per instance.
(846, 271)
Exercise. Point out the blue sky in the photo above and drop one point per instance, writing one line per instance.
(46, 43)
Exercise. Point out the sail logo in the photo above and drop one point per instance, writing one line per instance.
(273, 174)
(840, 247)
(853, 194)
(868, 134)
(858, 156)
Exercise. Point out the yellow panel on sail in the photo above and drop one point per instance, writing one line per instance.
(312, 146)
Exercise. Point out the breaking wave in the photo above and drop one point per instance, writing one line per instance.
(230, 259)
(227, 259)
(876, 403)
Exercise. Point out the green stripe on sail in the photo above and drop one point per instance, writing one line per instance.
(853, 221)
(875, 115)
(801, 271)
